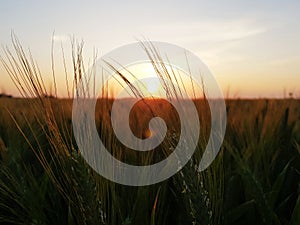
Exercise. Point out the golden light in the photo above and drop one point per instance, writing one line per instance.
(154, 87)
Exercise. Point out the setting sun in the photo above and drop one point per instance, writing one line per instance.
(145, 78)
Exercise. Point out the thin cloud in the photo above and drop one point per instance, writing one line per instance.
(211, 31)
(60, 38)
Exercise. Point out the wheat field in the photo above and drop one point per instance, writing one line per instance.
(44, 179)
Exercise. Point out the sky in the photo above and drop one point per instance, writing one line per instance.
(251, 47)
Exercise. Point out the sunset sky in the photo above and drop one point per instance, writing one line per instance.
(251, 47)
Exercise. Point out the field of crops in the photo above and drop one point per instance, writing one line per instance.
(44, 178)
(254, 180)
